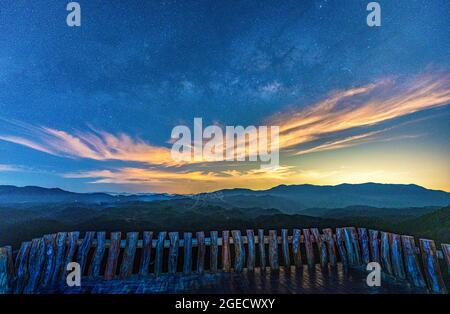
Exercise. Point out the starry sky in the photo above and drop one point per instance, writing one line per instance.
(91, 108)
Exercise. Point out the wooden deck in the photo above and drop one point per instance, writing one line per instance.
(40, 265)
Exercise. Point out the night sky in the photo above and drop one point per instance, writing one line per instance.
(91, 108)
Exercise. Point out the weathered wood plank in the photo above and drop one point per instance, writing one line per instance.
(201, 251)
(84, 248)
(226, 258)
(49, 264)
(397, 256)
(60, 246)
(21, 267)
(285, 247)
(329, 240)
(296, 249)
(97, 258)
(214, 252)
(251, 250)
(239, 251)
(374, 246)
(321, 246)
(273, 250)
(70, 251)
(10, 266)
(160, 253)
(113, 255)
(146, 254)
(126, 267)
(352, 246)
(187, 261)
(262, 250)
(446, 252)
(341, 246)
(5, 276)
(432, 270)
(173, 252)
(364, 244)
(35, 264)
(386, 253)
(413, 272)
(307, 239)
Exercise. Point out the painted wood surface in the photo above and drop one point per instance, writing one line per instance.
(374, 246)
(187, 253)
(49, 264)
(214, 252)
(412, 265)
(321, 247)
(397, 256)
(251, 252)
(446, 252)
(262, 249)
(84, 248)
(60, 243)
(5, 278)
(173, 252)
(70, 251)
(99, 253)
(273, 250)
(160, 253)
(432, 270)
(331, 245)
(21, 267)
(113, 255)
(386, 253)
(126, 267)
(226, 258)
(296, 248)
(364, 244)
(341, 246)
(146, 253)
(35, 264)
(239, 251)
(285, 247)
(201, 252)
(308, 248)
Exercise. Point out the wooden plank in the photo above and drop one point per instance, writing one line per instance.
(49, 264)
(60, 246)
(273, 250)
(126, 267)
(21, 267)
(83, 250)
(386, 253)
(10, 265)
(35, 264)
(352, 246)
(413, 272)
(397, 256)
(239, 251)
(160, 253)
(214, 251)
(446, 252)
(70, 251)
(5, 276)
(307, 238)
(146, 254)
(187, 262)
(296, 249)
(251, 259)
(374, 246)
(173, 252)
(285, 247)
(329, 240)
(226, 258)
(201, 251)
(97, 258)
(341, 246)
(321, 246)
(431, 264)
(113, 255)
(364, 244)
(262, 250)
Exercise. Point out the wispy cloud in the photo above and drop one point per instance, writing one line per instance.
(360, 107)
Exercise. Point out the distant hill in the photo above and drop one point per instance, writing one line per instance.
(288, 198)
(295, 198)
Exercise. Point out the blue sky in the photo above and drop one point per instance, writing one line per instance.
(138, 68)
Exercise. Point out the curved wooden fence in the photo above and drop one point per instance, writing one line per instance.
(42, 262)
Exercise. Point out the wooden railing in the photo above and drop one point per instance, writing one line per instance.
(42, 262)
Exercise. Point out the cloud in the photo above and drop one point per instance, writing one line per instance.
(12, 168)
(360, 107)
